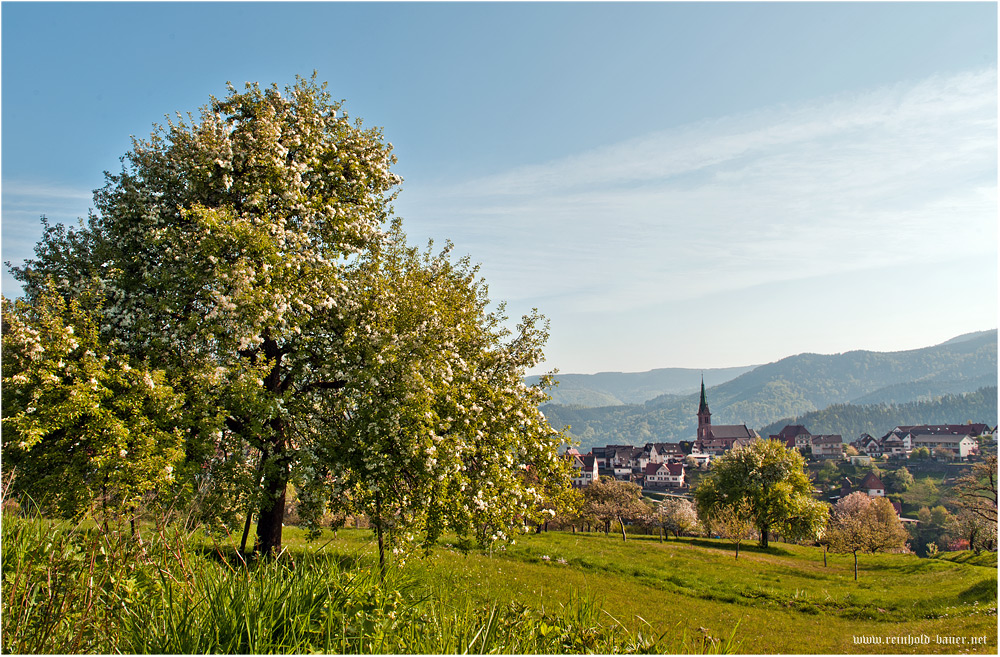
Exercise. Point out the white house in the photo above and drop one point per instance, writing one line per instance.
(585, 470)
(960, 445)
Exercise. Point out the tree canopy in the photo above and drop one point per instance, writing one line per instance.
(860, 523)
(608, 500)
(770, 480)
(250, 255)
(81, 425)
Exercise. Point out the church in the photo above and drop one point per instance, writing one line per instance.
(717, 439)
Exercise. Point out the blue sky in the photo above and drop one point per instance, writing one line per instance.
(672, 184)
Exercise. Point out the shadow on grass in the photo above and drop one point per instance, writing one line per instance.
(968, 557)
(984, 591)
(772, 550)
(232, 557)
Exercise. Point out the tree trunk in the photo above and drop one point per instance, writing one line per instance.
(737, 551)
(763, 536)
(246, 525)
(378, 532)
(272, 507)
(855, 566)
(622, 523)
(272, 511)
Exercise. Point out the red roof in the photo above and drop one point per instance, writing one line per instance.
(872, 482)
(792, 430)
(652, 469)
(675, 469)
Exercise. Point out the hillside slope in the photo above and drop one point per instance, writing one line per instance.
(795, 386)
(851, 420)
(619, 388)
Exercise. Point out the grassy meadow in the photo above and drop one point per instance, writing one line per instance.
(69, 589)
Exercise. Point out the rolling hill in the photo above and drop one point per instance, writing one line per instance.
(619, 388)
(795, 386)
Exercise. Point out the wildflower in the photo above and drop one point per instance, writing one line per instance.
(545, 557)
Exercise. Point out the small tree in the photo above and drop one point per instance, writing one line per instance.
(678, 516)
(770, 478)
(976, 491)
(828, 473)
(899, 481)
(609, 500)
(860, 523)
(978, 532)
(733, 521)
(943, 454)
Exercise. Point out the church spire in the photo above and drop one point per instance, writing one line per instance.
(704, 415)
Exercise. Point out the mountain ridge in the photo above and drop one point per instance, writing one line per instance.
(794, 386)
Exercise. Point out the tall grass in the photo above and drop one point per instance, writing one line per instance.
(70, 589)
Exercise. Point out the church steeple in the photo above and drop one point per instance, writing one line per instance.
(704, 415)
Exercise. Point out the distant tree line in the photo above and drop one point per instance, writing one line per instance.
(850, 420)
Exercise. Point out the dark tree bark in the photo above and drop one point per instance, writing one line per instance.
(246, 525)
(763, 536)
(272, 512)
(378, 532)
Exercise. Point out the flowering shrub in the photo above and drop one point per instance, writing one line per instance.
(80, 424)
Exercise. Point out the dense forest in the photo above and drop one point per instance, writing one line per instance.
(850, 420)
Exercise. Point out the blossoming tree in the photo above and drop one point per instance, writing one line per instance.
(244, 253)
(80, 425)
(435, 428)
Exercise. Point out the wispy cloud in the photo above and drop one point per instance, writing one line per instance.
(894, 175)
(23, 204)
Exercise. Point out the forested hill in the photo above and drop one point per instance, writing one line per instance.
(618, 388)
(851, 420)
(795, 386)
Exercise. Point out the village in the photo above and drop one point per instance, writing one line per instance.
(665, 467)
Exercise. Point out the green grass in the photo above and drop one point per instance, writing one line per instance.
(695, 583)
(79, 590)
(985, 559)
(593, 593)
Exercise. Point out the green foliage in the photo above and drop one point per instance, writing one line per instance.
(81, 423)
(434, 429)
(69, 590)
(771, 481)
(898, 481)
